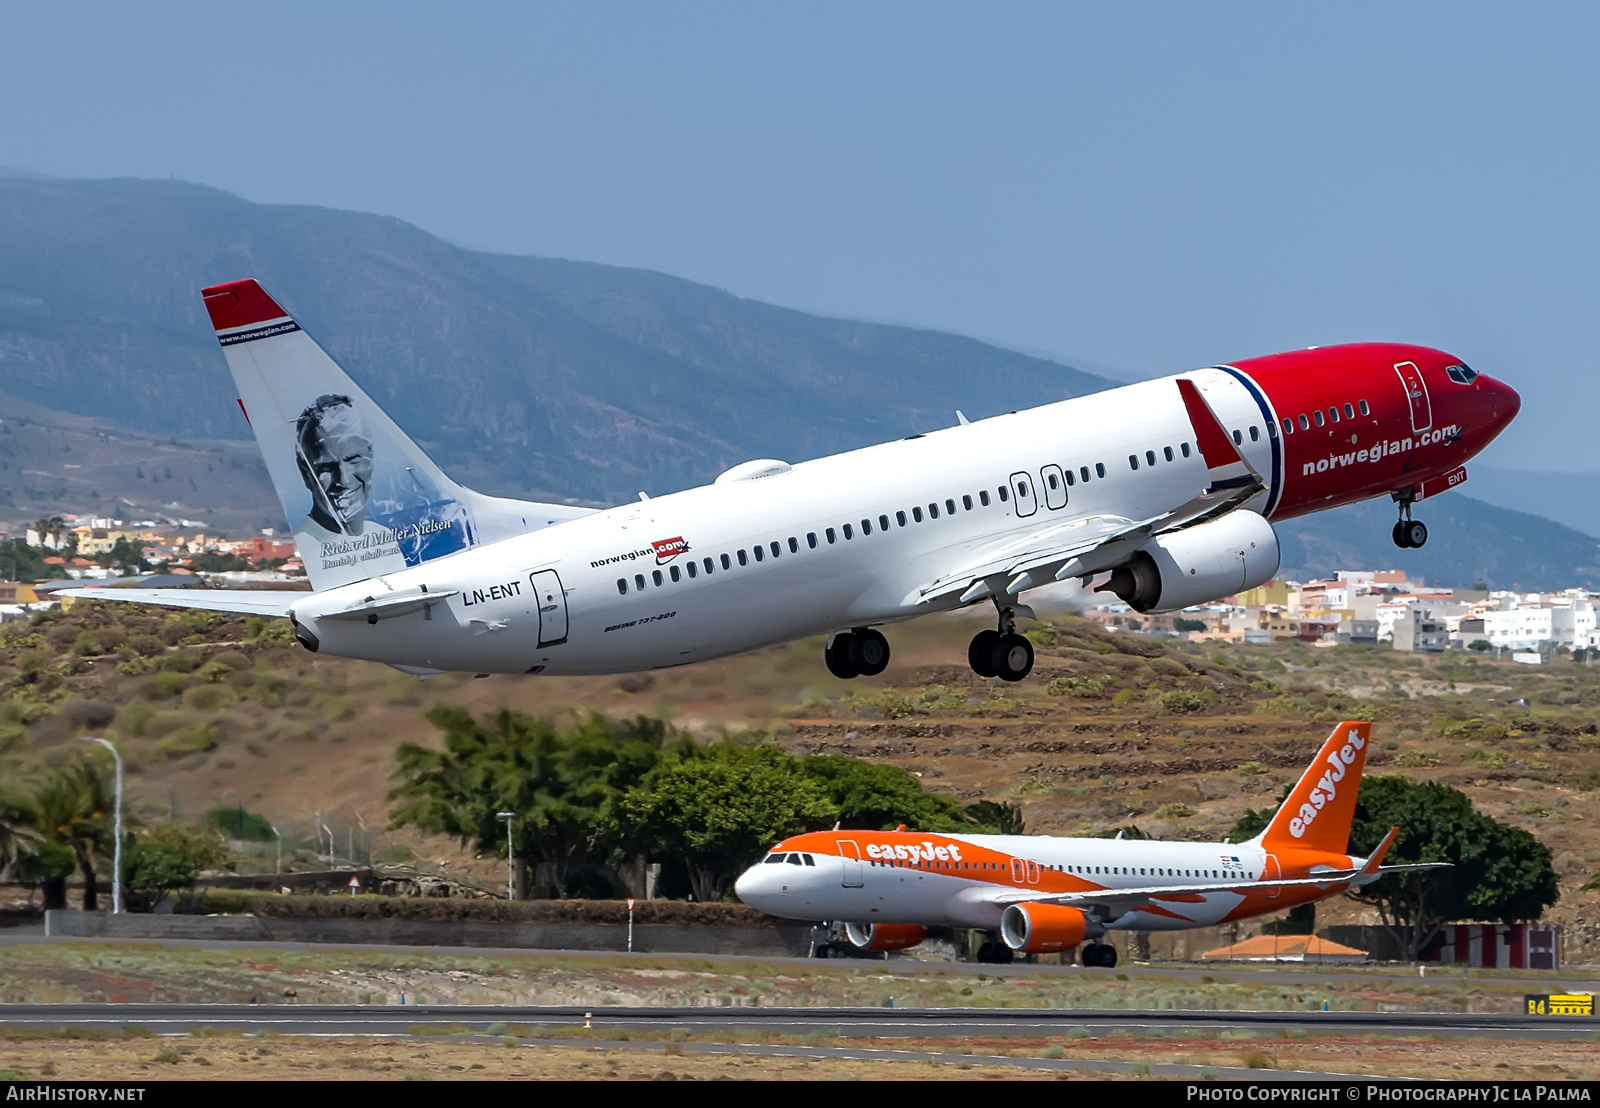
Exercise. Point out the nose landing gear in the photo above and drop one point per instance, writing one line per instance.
(1409, 534)
(1003, 653)
(859, 652)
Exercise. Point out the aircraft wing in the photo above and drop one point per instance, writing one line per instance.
(1064, 548)
(251, 602)
(1127, 900)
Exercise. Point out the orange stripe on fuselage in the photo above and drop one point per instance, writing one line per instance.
(980, 864)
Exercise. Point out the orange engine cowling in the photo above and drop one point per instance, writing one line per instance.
(884, 936)
(1042, 928)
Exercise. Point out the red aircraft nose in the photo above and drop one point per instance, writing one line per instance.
(1506, 401)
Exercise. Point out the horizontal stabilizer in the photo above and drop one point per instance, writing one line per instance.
(250, 602)
(373, 609)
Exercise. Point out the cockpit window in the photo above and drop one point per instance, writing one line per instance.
(794, 860)
(1461, 374)
(809, 860)
(773, 859)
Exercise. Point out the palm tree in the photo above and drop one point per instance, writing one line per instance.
(17, 822)
(73, 809)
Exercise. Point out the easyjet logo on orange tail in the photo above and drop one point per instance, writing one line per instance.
(1324, 790)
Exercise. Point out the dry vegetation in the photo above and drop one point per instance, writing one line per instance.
(134, 1057)
(1113, 729)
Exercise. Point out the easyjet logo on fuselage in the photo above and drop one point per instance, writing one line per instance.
(1325, 790)
(924, 851)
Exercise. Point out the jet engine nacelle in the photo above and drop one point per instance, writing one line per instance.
(1042, 928)
(1198, 564)
(884, 936)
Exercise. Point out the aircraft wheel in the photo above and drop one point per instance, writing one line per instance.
(1012, 657)
(1089, 954)
(838, 657)
(1416, 533)
(1003, 954)
(980, 654)
(826, 950)
(985, 953)
(868, 652)
(1399, 534)
(1108, 956)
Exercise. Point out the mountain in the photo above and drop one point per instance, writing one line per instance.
(53, 462)
(1569, 498)
(531, 376)
(1468, 542)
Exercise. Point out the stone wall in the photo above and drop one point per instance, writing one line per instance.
(776, 939)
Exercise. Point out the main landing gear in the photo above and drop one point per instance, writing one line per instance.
(1409, 534)
(1003, 653)
(995, 954)
(858, 652)
(1099, 954)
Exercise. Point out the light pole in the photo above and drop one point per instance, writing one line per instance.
(278, 867)
(511, 860)
(116, 849)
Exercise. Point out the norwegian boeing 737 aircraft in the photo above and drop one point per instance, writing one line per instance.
(1168, 486)
(1047, 895)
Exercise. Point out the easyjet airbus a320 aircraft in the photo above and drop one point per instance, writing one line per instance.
(1047, 894)
(1169, 486)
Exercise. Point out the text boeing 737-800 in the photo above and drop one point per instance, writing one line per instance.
(1168, 485)
(1045, 894)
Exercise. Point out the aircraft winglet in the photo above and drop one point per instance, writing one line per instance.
(1378, 855)
(1225, 466)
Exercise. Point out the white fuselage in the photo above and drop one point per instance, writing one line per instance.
(609, 602)
(959, 891)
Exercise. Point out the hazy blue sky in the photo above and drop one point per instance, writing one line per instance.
(1148, 187)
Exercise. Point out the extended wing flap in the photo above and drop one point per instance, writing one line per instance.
(253, 602)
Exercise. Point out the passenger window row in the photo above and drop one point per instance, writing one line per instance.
(1316, 417)
(1167, 452)
(1097, 871)
(760, 554)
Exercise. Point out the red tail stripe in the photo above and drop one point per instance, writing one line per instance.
(239, 304)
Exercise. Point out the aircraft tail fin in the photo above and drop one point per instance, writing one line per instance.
(1318, 811)
(360, 496)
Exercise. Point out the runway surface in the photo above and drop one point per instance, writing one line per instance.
(316, 1019)
(1574, 979)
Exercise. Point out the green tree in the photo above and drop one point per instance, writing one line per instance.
(73, 809)
(720, 808)
(238, 824)
(1498, 873)
(1002, 819)
(166, 859)
(124, 556)
(560, 784)
(874, 797)
(18, 827)
(46, 864)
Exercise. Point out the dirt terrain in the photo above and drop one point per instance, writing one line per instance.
(1113, 729)
(136, 1060)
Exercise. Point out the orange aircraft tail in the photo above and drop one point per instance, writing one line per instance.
(1318, 811)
